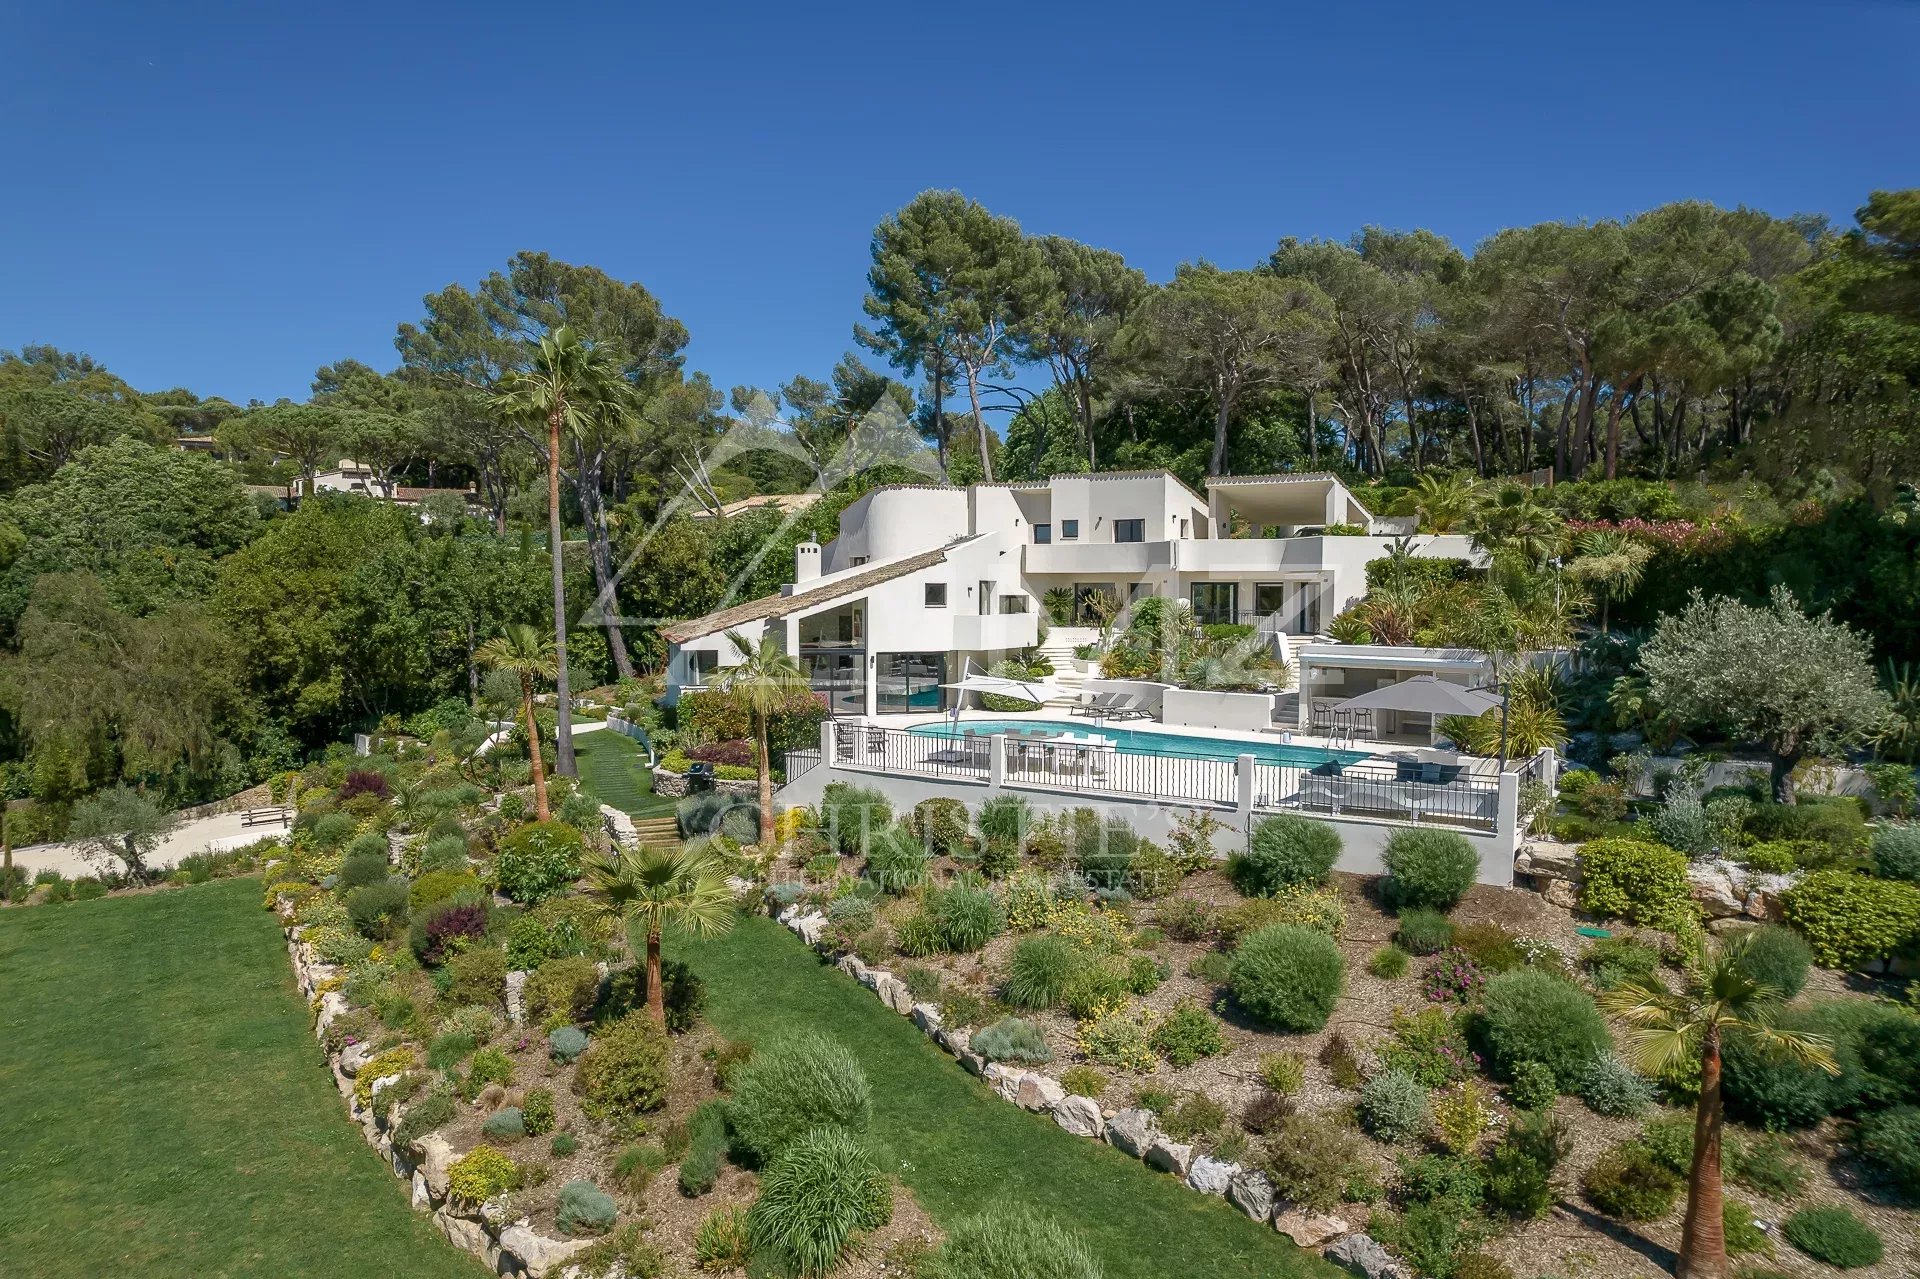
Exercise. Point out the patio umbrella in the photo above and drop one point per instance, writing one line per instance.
(1425, 694)
(1025, 690)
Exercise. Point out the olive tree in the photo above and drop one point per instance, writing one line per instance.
(1793, 683)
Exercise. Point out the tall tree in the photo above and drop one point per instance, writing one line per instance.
(1227, 336)
(569, 388)
(306, 435)
(952, 281)
(1717, 1002)
(1088, 296)
(528, 655)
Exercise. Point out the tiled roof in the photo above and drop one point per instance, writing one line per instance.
(771, 606)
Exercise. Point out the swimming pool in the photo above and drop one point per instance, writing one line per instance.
(1135, 741)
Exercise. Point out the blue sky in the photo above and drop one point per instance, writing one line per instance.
(227, 196)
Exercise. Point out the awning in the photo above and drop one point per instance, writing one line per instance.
(1001, 686)
(1425, 694)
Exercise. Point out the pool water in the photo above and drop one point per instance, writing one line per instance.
(1136, 741)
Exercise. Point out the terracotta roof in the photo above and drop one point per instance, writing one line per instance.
(771, 606)
(404, 493)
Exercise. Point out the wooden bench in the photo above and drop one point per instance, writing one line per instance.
(263, 817)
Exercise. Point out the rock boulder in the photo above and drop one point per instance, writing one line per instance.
(1133, 1131)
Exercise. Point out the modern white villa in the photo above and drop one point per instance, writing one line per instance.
(896, 620)
(926, 581)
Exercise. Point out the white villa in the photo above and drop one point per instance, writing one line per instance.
(924, 581)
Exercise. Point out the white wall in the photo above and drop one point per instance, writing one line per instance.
(1202, 708)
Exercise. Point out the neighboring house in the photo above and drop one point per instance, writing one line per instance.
(352, 477)
(924, 579)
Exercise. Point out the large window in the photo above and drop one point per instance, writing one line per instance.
(701, 664)
(1213, 602)
(905, 682)
(839, 678)
(1129, 530)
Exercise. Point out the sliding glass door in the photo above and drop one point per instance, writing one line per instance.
(909, 682)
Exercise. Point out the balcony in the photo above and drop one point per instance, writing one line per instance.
(997, 631)
(1099, 561)
(1250, 555)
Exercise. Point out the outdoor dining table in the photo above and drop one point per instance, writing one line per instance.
(1059, 752)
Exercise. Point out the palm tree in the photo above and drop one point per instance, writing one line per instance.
(1717, 1002)
(523, 650)
(657, 888)
(1610, 562)
(1513, 519)
(1442, 500)
(767, 679)
(569, 384)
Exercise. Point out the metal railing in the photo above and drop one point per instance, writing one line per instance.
(798, 764)
(1379, 789)
(1105, 770)
(870, 748)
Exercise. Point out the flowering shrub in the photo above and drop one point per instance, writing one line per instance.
(1682, 535)
(738, 752)
(1430, 1047)
(480, 1174)
(394, 1061)
(1452, 977)
(1117, 1037)
(1461, 1115)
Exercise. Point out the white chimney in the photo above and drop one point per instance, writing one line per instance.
(806, 563)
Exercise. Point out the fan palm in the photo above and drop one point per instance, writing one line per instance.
(568, 384)
(1717, 1002)
(524, 651)
(1515, 520)
(656, 889)
(1611, 563)
(767, 680)
(1441, 501)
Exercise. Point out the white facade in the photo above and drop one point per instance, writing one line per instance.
(924, 579)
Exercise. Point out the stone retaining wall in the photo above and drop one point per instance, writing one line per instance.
(670, 783)
(509, 1247)
(1135, 1132)
(1730, 896)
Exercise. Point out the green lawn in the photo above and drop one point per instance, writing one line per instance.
(613, 767)
(959, 1147)
(164, 1109)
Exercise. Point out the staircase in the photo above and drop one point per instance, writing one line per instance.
(1058, 649)
(657, 832)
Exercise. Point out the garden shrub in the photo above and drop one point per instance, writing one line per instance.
(537, 1112)
(634, 1167)
(1116, 1037)
(1012, 1039)
(1766, 1165)
(940, 825)
(480, 1174)
(1634, 880)
(1424, 932)
(1282, 851)
(1451, 977)
(584, 1209)
(1896, 851)
(1741, 1232)
(625, 1071)
(1833, 1235)
(1393, 1106)
(566, 1044)
(1342, 1062)
(1612, 961)
(1461, 1116)
(338, 946)
(1005, 819)
(849, 815)
(1628, 1183)
(427, 1113)
(918, 935)
(489, 1066)
(1283, 1072)
(1530, 1016)
(1533, 1086)
(442, 928)
(450, 1049)
(562, 990)
(1838, 822)
(1387, 963)
(1889, 1141)
(1102, 849)
(478, 975)
(378, 910)
(967, 916)
(1427, 869)
(1519, 1170)
(562, 1145)
(506, 1124)
(1095, 985)
(718, 814)
(896, 861)
(1010, 1243)
(1851, 919)
(1039, 970)
(1777, 958)
(1187, 1034)
(1430, 1235)
(538, 860)
(357, 870)
(1288, 977)
(444, 853)
(817, 1196)
(441, 885)
(804, 1081)
(1310, 1159)
(1153, 873)
(721, 1243)
(1492, 948)
(1877, 1047)
(1774, 857)
(1186, 918)
(1430, 1045)
(706, 1149)
(1611, 1088)
(1145, 973)
(1083, 1081)
(331, 831)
